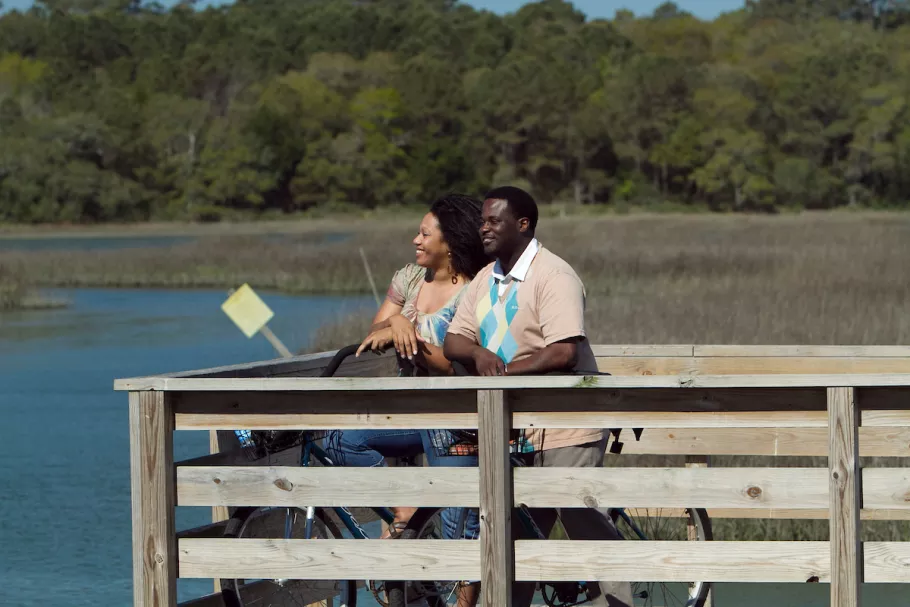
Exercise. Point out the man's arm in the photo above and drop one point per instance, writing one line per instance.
(559, 356)
(461, 349)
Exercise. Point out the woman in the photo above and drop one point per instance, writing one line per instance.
(418, 308)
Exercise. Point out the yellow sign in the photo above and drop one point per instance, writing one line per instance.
(247, 311)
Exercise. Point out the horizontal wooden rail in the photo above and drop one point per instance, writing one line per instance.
(295, 486)
(780, 489)
(748, 365)
(776, 513)
(885, 562)
(835, 402)
(329, 559)
(315, 384)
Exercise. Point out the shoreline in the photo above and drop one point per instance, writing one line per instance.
(389, 218)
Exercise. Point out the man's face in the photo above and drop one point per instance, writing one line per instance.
(501, 230)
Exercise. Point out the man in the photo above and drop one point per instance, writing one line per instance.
(524, 315)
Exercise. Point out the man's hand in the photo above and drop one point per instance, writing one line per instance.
(487, 363)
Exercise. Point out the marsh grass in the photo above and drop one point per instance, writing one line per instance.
(801, 279)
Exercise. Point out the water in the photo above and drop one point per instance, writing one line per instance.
(64, 454)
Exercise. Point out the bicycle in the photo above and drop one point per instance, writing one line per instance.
(323, 523)
(636, 524)
(295, 523)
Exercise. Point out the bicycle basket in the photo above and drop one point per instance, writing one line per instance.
(257, 444)
(464, 442)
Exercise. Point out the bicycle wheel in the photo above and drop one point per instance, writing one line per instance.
(426, 524)
(283, 523)
(666, 525)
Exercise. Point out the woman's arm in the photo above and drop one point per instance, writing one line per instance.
(387, 310)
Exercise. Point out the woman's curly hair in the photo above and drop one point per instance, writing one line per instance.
(460, 218)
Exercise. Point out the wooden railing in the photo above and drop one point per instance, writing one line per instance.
(843, 403)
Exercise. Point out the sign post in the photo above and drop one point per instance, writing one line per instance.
(251, 315)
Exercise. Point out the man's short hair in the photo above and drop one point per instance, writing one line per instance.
(520, 202)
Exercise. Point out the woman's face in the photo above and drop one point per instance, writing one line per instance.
(432, 250)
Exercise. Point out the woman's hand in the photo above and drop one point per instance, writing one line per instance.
(377, 341)
(404, 336)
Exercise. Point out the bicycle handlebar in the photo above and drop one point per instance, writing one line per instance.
(339, 358)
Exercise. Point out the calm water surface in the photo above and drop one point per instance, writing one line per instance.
(64, 454)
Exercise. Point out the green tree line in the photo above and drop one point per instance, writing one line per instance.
(119, 110)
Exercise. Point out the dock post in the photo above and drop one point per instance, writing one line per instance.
(845, 494)
(496, 547)
(153, 499)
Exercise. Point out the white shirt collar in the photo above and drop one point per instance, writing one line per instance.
(520, 270)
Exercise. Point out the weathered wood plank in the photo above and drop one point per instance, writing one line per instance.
(533, 419)
(666, 420)
(495, 499)
(325, 487)
(314, 384)
(642, 350)
(153, 498)
(867, 514)
(886, 562)
(809, 442)
(219, 513)
(803, 351)
(329, 410)
(564, 560)
(845, 497)
(886, 488)
(793, 488)
(776, 513)
(765, 492)
(330, 559)
(749, 365)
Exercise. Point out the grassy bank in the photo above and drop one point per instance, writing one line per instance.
(802, 279)
(15, 294)
(788, 280)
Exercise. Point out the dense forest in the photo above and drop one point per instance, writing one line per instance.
(119, 110)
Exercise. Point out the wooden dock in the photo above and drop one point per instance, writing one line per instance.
(841, 402)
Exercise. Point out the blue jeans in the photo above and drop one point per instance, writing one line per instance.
(369, 448)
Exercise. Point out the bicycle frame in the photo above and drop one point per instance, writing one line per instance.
(311, 450)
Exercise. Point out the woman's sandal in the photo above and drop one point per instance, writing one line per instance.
(395, 529)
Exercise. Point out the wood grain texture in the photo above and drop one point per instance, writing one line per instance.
(793, 488)
(330, 559)
(808, 442)
(153, 500)
(845, 496)
(805, 351)
(495, 499)
(886, 562)
(325, 487)
(336, 384)
(219, 513)
(750, 365)
(867, 514)
(565, 560)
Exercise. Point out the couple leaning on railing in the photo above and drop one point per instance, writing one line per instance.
(485, 296)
